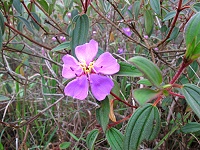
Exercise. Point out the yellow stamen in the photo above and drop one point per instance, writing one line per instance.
(87, 68)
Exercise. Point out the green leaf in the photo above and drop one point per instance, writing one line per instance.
(148, 22)
(2, 25)
(27, 23)
(80, 31)
(18, 6)
(102, 113)
(174, 34)
(145, 82)
(143, 95)
(192, 69)
(44, 5)
(4, 98)
(169, 15)
(37, 19)
(192, 37)
(196, 7)
(91, 138)
(191, 127)
(192, 94)
(115, 139)
(136, 8)
(64, 145)
(195, 53)
(155, 5)
(143, 125)
(73, 136)
(1, 39)
(149, 69)
(64, 45)
(127, 69)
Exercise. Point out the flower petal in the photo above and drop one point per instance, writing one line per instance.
(100, 86)
(87, 51)
(106, 64)
(77, 88)
(71, 67)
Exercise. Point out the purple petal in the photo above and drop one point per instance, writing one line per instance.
(71, 67)
(127, 31)
(106, 64)
(77, 88)
(87, 51)
(100, 86)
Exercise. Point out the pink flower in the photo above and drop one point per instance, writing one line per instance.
(53, 38)
(69, 15)
(127, 31)
(89, 72)
(156, 49)
(146, 36)
(62, 38)
(120, 51)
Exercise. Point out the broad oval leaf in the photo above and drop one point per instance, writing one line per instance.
(149, 69)
(148, 22)
(91, 138)
(192, 37)
(80, 31)
(191, 127)
(169, 15)
(143, 125)
(27, 23)
(174, 34)
(155, 5)
(18, 6)
(102, 113)
(64, 45)
(145, 82)
(64, 145)
(127, 69)
(115, 139)
(144, 95)
(192, 95)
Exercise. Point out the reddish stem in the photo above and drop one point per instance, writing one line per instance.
(119, 99)
(181, 69)
(176, 94)
(173, 23)
(157, 100)
(118, 122)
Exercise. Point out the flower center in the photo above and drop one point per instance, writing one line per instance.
(87, 68)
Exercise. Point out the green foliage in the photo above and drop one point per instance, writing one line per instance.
(115, 139)
(155, 4)
(102, 113)
(143, 125)
(31, 74)
(191, 127)
(149, 69)
(91, 138)
(192, 37)
(149, 22)
(127, 69)
(80, 31)
(144, 95)
(64, 45)
(192, 94)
